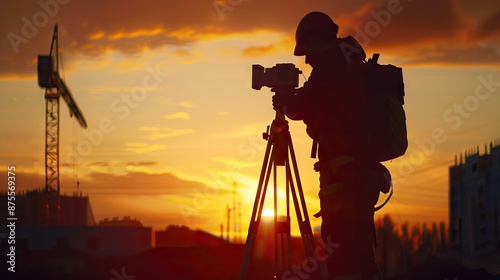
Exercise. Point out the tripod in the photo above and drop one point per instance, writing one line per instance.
(279, 143)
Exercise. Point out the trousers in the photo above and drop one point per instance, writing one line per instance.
(348, 194)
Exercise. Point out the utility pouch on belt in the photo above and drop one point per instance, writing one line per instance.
(330, 189)
(332, 165)
(330, 169)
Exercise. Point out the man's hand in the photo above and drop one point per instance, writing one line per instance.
(279, 101)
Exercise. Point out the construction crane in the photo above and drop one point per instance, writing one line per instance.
(49, 78)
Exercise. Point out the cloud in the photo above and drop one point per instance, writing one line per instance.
(141, 183)
(25, 181)
(129, 163)
(140, 148)
(153, 198)
(258, 51)
(132, 183)
(186, 104)
(99, 163)
(407, 23)
(156, 133)
(170, 133)
(149, 128)
(491, 26)
(422, 32)
(99, 90)
(159, 184)
(280, 45)
(178, 115)
(142, 163)
(486, 54)
(237, 164)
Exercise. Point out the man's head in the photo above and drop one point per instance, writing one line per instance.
(315, 34)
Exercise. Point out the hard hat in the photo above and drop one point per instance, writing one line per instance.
(312, 22)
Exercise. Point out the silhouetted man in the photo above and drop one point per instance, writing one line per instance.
(331, 104)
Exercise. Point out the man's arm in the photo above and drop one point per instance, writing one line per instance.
(304, 101)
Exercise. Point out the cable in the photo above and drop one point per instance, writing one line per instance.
(62, 64)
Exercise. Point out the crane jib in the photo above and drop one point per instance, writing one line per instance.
(68, 98)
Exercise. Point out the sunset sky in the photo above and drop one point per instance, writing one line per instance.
(173, 123)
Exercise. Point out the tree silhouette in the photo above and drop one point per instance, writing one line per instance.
(400, 250)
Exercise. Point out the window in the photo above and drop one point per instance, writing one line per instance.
(62, 242)
(93, 244)
(483, 217)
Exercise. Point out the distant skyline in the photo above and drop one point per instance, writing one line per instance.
(173, 124)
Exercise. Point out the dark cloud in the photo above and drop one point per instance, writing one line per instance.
(25, 181)
(406, 23)
(137, 183)
(485, 55)
(100, 186)
(94, 27)
(133, 183)
(438, 32)
(491, 26)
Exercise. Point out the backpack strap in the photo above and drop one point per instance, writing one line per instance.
(314, 148)
(385, 202)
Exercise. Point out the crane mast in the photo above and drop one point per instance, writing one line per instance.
(52, 184)
(55, 87)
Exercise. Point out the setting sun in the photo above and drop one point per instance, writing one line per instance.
(267, 213)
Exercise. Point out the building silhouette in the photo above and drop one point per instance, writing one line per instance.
(127, 221)
(474, 206)
(76, 228)
(32, 208)
(182, 236)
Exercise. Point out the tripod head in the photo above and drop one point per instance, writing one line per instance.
(282, 79)
(279, 133)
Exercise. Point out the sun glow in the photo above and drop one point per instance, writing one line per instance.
(267, 213)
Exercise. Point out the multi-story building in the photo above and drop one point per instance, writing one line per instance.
(474, 203)
(76, 227)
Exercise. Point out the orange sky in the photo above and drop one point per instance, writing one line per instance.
(174, 146)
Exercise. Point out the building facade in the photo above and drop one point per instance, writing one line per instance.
(474, 203)
(75, 226)
(32, 209)
(182, 236)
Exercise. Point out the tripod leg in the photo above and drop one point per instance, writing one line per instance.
(275, 222)
(256, 212)
(301, 215)
(301, 211)
(302, 218)
(282, 239)
(279, 152)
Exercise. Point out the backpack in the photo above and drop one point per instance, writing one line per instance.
(385, 119)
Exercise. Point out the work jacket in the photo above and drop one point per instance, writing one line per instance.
(332, 104)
